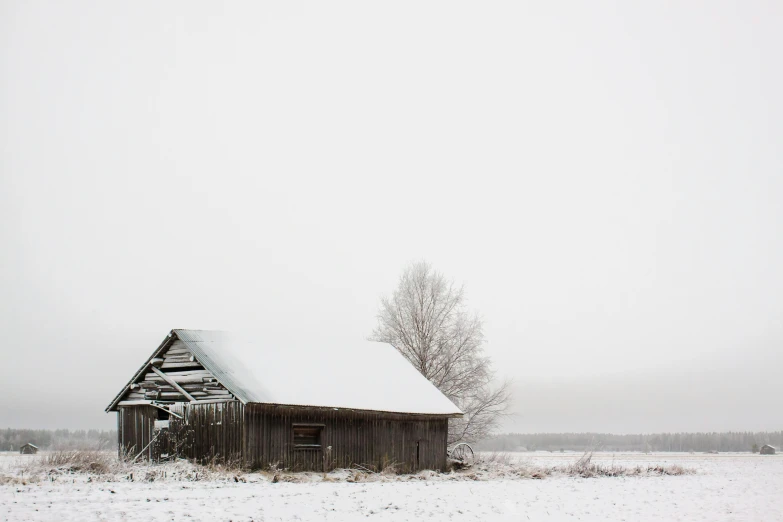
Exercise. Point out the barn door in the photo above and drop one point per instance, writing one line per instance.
(421, 454)
(136, 430)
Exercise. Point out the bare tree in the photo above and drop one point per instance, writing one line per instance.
(427, 321)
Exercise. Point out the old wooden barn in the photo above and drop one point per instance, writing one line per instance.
(28, 449)
(215, 395)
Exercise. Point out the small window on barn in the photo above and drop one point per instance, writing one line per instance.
(307, 436)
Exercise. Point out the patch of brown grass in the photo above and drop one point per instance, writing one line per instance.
(496, 457)
(585, 468)
(73, 461)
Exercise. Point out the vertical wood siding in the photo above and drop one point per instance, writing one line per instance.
(207, 432)
(262, 435)
(372, 440)
(135, 427)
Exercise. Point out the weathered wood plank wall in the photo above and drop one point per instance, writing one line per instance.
(262, 435)
(372, 440)
(135, 429)
(208, 431)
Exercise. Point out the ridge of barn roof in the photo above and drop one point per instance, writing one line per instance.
(365, 375)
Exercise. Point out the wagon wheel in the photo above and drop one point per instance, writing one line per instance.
(463, 454)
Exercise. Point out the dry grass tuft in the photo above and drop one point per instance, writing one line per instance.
(108, 467)
(103, 466)
(391, 468)
(585, 468)
(13, 480)
(73, 461)
(496, 457)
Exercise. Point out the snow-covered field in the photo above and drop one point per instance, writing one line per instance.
(725, 487)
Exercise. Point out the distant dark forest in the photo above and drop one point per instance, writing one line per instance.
(12, 439)
(727, 441)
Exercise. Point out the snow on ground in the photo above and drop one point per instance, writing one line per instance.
(726, 487)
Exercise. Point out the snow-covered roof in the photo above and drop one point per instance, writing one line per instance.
(30, 444)
(364, 375)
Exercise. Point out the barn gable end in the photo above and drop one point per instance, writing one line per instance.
(175, 362)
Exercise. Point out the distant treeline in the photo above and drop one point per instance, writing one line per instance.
(727, 441)
(12, 439)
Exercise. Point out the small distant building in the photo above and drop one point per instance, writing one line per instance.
(28, 449)
(766, 449)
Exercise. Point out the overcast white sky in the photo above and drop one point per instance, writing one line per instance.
(605, 178)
